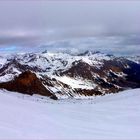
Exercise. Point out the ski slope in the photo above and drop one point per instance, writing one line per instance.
(114, 116)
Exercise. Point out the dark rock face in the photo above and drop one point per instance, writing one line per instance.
(88, 92)
(27, 83)
(107, 77)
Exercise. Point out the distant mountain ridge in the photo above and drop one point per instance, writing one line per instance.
(76, 76)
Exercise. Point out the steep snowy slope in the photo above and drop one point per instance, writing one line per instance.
(134, 58)
(114, 116)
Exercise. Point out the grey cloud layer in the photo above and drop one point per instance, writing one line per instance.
(32, 23)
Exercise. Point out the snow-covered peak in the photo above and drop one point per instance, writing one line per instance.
(88, 53)
(54, 61)
(135, 59)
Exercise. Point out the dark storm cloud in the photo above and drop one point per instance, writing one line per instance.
(32, 23)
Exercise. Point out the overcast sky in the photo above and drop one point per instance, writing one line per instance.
(26, 25)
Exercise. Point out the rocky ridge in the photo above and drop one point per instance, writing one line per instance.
(66, 75)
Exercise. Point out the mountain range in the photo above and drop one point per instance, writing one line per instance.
(66, 75)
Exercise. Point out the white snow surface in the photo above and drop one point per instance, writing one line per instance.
(76, 82)
(2, 61)
(114, 116)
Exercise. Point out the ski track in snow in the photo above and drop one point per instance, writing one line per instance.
(114, 116)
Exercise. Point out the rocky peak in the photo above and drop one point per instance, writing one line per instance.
(28, 83)
(45, 51)
(88, 53)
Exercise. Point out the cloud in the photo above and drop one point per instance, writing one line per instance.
(110, 44)
(114, 25)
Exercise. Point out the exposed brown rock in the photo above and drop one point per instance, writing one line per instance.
(27, 83)
(88, 92)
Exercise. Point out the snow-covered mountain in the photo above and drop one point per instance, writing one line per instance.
(136, 59)
(73, 75)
